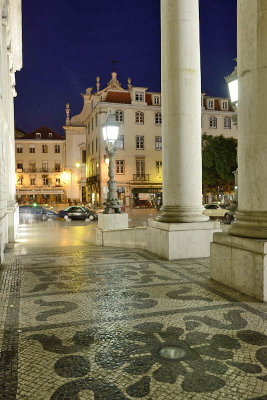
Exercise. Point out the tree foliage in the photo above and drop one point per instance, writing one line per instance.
(218, 162)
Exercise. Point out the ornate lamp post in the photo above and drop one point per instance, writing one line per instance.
(232, 82)
(110, 130)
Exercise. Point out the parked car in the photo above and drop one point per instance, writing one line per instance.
(215, 210)
(36, 212)
(78, 212)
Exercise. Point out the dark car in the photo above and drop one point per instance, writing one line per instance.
(78, 212)
(36, 212)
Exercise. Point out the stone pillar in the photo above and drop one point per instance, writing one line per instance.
(181, 112)
(239, 259)
(252, 120)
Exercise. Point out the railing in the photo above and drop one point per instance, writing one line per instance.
(92, 179)
(36, 187)
(40, 170)
(141, 177)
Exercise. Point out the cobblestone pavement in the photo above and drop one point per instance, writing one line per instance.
(81, 323)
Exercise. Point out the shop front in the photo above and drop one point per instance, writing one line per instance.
(147, 197)
(45, 196)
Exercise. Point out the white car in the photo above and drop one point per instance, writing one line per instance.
(214, 210)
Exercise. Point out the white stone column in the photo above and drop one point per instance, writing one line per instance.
(181, 112)
(252, 119)
(239, 259)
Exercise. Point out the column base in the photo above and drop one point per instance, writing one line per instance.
(240, 263)
(181, 240)
(112, 221)
(182, 214)
(251, 224)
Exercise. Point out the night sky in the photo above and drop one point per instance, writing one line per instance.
(67, 43)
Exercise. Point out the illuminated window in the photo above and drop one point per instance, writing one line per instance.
(156, 100)
(119, 166)
(139, 117)
(45, 180)
(38, 135)
(159, 167)
(57, 148)
(44, 148)
(32, 181)
(57, 167)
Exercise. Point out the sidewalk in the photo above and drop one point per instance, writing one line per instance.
(86, 322)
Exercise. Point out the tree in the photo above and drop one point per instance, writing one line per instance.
(218, 163)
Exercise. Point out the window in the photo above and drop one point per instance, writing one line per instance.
(120, 142)
(225, 105)
(140, 168)
(96, 120)
(57, 167)
(119, 115)
(213, 122)
(38, 135)
(92, 147)
(57, 148)
(32, 181)
(156, 100)
(211, 104)
(19, 149)
(96, 144)
(158, 118)
(83, 156)
(139, 117)
(158, 143)
(32, 148)
(227, 123)
(159, 167)
(57, 181)
(119, 166)
(50, 135)
(19, 166)
(45, 166)
(20, 180)
(44, 148)
(32, 167)
(45, 180)
(139, 142)
(139, 96)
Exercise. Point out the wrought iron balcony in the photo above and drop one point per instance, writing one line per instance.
(92, 179)
(141, 177)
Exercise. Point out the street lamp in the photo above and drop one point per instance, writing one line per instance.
(110, 130)
(232, 82)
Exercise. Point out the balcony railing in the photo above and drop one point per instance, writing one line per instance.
(92, 179)
(40, 170)
(141, 177)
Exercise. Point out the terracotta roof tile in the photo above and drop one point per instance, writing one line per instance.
(148, 99)
(44, 130)
(118, 97)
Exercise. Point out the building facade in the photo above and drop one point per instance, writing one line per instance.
(40, 164)
(11, 61)
(138, 161)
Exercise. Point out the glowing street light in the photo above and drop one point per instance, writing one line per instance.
(77, 165)
(110, 130)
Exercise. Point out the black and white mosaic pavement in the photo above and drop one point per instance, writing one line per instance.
(89, 323)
